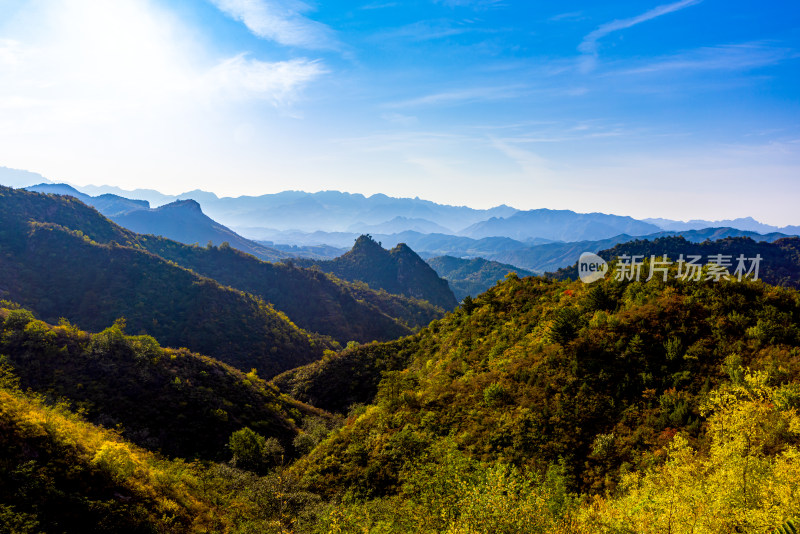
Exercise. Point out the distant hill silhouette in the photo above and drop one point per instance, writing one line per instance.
(561, 225)
(108, 204)
(184, 221)
(20, 178)
(742, 223)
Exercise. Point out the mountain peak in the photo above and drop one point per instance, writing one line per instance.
(366, 242)
(188, 204)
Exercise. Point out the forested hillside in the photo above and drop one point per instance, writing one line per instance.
(58, 271)
(60, 474)
(400, 271)
(779, 264)
(143, 283)
(472, 276)
(174, 401)
(584, 382)
(315, 301)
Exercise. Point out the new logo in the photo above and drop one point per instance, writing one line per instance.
(591, 268)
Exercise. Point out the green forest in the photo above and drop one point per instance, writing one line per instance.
(152, 387)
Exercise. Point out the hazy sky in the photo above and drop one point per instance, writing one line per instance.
(688, 109)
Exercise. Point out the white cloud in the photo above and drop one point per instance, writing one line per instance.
(280, 21)
(399, 118)
(464, 95)
(278, 82)
(589, 44)
(83, 61)
(121, 91)
(738, 57)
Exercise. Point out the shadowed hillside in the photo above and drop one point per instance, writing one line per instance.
(399, 271)
(175, 401)
(80, 266)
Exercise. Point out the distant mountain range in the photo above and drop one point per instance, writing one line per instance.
(559, 225)
(181, 220)
(331, 210)
(744, 223)
(323, 225)
(61, 258)
(539, 255)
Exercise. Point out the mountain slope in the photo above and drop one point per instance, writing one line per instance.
(399, 271)
(81, 266)
(185, 222)
(474, 276)
(174, 401)
(60, 474)
(181, 220)
(593, 380)
(312, 299)
(315, 301)
(780, 263)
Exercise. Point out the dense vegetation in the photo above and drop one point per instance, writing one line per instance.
(62, 259)
(595, 379)
(399, 271)
(60, 474)
(539, 406)
(338, 381)
(57, 273)
(315, 301)
(780, 263)
(175, 401)
(472, 276)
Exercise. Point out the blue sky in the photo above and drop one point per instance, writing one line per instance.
(685, 109)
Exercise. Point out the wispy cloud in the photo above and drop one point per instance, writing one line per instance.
(736, 57)
(428, 30)
(472, 3)
(589, 44)
(464, 95)
(380, 5)
(281, 21)
(278, 82)
(399, 118)
(572, 15)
